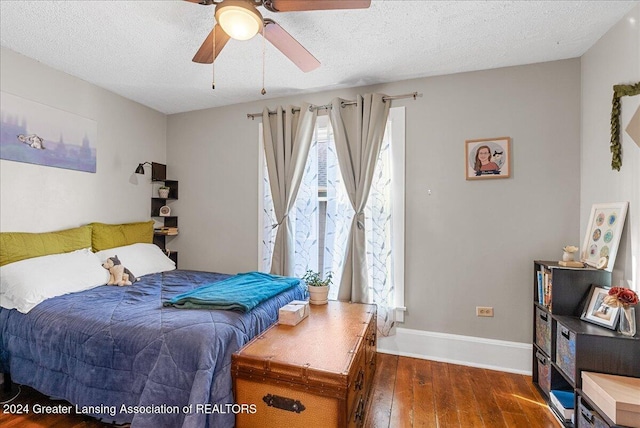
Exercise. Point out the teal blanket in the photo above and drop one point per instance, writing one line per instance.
(238, 293)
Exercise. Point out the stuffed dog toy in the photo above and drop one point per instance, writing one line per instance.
(118, 274)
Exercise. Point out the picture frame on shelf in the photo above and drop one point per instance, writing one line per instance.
(487, 158)
(602, 237)
(596, 312)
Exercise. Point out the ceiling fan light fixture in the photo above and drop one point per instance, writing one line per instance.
(239, 19)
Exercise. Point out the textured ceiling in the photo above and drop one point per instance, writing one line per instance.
(142, 50)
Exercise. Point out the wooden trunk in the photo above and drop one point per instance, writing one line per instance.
(315, 374)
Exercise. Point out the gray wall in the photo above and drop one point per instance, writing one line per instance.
(613, 60)
(36, 198)
(471, 243)
(468, 244)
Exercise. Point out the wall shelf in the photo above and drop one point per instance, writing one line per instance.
(161, 238)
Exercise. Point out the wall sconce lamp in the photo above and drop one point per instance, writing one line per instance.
(140, 168)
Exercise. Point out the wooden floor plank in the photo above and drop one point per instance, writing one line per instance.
(378, 411)
(487, 405)
(516, 420)
(502, 390)
(446, 408)
(468, 411)
(424, 409)
(402, 409)
(532, 403)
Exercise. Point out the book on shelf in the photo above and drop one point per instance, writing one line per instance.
(540, 278)
(544, 283)
(563, 402)
(571, 263)
(166, 230)
(549, 287)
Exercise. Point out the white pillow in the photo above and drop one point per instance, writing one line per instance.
(140, 259)
(28, 282)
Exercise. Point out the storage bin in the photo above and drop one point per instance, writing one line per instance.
(566, 351)
(544, 372)
(543, 330)
(587, 417)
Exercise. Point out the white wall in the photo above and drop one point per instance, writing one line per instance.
(613, 60)
(471, 243)
(36, 198)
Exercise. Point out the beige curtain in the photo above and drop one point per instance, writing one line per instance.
(358, 131)
(287, 138)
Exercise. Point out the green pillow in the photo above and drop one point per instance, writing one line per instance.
(16, 246)
(105, 236)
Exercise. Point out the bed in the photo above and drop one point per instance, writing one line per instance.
(117, 354)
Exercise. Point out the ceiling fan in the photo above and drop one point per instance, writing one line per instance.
(241, 20)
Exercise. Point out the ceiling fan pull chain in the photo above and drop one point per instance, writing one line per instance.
(213, 67)
(264, 47)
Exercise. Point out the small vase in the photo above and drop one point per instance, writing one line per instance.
(567, 256)
(627, 325)
(318, 295)
(163, 193)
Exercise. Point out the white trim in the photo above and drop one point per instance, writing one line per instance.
(396, 116)
(492, 354)
(400, 312)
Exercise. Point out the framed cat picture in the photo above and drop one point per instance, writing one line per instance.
(487, 158)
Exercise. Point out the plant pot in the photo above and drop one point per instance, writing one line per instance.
(163, 193)
(318, 295)
(567, 256)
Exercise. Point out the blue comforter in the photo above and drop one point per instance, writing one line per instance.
(241, 292)
(112, 346)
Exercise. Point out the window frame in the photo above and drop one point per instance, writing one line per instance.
(397, 118)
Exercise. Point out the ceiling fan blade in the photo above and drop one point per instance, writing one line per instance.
(289, 46)
(202, 2)
(300, 5)
(205, 53)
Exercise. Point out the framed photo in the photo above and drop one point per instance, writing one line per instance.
(602, 237)
(487, 158)
(596, 312)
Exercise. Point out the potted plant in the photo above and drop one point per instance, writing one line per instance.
(626, 299)
(318, 287)
(163, 192)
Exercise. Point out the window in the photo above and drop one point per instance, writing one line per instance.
(323, 214)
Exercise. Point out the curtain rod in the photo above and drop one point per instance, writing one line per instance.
(413, 95)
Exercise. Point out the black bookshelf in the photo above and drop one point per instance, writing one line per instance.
(564, 346)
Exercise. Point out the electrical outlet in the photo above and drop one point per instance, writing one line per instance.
(484, 311)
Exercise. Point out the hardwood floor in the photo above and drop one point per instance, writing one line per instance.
(407, 392)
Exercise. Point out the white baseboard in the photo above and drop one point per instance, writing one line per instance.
(512, 357)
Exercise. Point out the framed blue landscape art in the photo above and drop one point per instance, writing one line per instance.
(34, 133)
